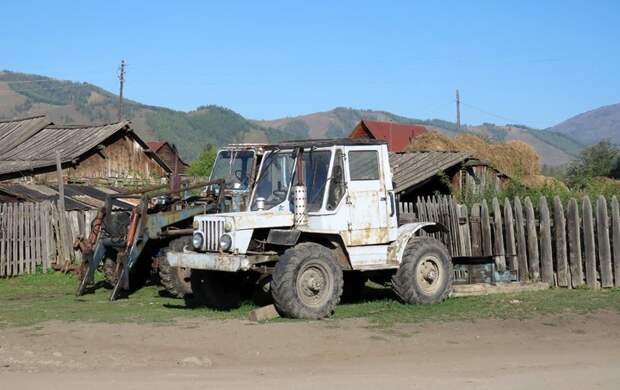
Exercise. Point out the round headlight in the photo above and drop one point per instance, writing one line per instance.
(225, 242)
(197, 240)
(228, 226)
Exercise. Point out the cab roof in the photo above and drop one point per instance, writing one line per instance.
(318, 143)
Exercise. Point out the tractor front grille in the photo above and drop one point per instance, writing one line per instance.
(212, 231)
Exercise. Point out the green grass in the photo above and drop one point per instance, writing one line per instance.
(41, 297)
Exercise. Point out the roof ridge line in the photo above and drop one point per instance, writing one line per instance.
(25, 119)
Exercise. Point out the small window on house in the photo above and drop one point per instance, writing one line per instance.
(364, 165)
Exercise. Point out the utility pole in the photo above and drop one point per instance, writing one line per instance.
(458, 111)
(121, 78)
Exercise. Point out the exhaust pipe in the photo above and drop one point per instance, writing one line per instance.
(299, 203)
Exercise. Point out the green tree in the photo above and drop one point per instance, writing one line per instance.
(599, 160)
(204, 163)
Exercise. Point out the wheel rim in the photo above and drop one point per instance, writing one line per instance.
(429, 274)
(314, 284)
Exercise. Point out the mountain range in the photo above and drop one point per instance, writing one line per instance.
(70, 102)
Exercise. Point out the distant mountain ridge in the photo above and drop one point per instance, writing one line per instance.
(594, 125)
(554, 148)
(70, 102)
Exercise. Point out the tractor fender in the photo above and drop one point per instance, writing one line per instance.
(405, 232)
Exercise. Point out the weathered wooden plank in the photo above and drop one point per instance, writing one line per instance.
(31, 238)
(21, 237)
(603, 244)
(524, 274)
(16, 249)
(574, 243)
(476, 231)
(589, 248)
(11, 263)
(559, 231)
(511, 246)
(74, 225)
(463, 214)
(615, 227)
(498, 242)
(27, 237)
(485, 222)
(3, 217)
(452, 233)
(533, 255)
(38, 238)
(546, 252)
(46, 233)
(454, 216)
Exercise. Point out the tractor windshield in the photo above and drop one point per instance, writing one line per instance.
(235, 167)
(316, 168)
(274, 179)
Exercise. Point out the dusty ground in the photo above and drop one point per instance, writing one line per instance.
(564, 352)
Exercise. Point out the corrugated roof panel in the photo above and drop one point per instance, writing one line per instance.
(411, 169)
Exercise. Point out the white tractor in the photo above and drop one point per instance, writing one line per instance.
(320, 210)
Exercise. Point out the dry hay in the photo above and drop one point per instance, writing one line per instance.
(514, 158)
(431, 141)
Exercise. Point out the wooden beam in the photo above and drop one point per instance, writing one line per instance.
(589, 248)
(559, 231)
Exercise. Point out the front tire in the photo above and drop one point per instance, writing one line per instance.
(307, 282)
(425, 274)
(176, 280)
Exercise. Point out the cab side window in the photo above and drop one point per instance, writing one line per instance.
(337, 184)
(364, 165)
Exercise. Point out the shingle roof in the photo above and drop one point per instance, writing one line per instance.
(37, 149)
(14, 132)
(77, 197)
(414, 168)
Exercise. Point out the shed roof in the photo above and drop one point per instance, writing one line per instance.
(14, 132)
(397, 135)
(412, 169)
(40, 140)
(77, 197)
(156, 145)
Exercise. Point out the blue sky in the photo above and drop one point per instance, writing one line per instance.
(531, 62)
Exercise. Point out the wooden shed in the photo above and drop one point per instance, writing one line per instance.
(435, 172)
(111, 153)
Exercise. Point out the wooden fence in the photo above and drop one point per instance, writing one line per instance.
(31, 236)
(566, 248)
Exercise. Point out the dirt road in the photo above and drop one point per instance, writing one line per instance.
(566, 352)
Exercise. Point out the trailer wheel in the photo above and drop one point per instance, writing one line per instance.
(176, 280)
(307, 282)
(216, 289)
(425, 274)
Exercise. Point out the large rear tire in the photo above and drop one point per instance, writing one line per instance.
(307, 282)
(425, 274)
(176, 280)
